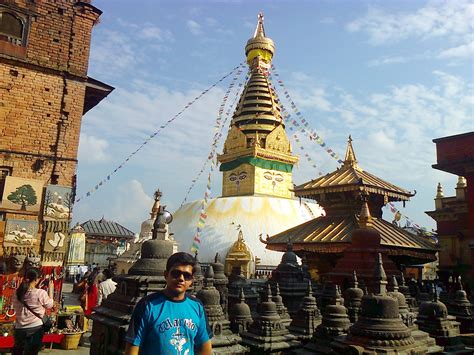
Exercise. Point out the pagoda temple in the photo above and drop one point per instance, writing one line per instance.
(343, 194)
(257, 181)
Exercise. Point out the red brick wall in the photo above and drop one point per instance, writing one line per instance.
(44, 90)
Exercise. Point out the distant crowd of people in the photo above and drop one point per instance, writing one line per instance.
(93, 287)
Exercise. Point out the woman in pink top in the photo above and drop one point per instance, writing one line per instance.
(29, 326)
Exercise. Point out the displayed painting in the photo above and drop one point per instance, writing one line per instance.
(77, 248)
(57, 203)
(55, 242)
(21, 233)
(22, 194)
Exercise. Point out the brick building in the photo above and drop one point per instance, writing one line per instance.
(44, 92)
(454, 215)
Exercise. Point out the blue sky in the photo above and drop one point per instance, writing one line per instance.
(394, 74)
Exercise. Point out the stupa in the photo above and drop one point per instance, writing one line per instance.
(379, 329)
(292, 280)
(223, 340)
(240, 315)
(220, 282)
(433, 318)
(335, 323)
(281, 309)
(125, 261)
(353, 298)
(462, 309)
(256, 166)
(111, 318)
(307, 318)
(267, 334)
(424, 341)
(238, 282)
(326, 239)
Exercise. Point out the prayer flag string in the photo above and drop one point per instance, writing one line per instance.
(219, 127)
(154, 134)
(300, 121)
(213, 159)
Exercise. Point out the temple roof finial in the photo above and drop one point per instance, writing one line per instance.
(439, 191)
(260, 30)
(380, 277)
(350, 159)
(461, 182)
(156, 205)
(365, 218)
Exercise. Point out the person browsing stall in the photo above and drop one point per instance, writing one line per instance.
(30, 303)
(170, 321)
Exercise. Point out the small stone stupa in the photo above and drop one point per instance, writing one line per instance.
(237, 282)
(307, 318)
(267, 334)
(292, 279)
(433, 318)
(426, 344)
(335, 323)
(281, 309)
(111, 318)
(220, 282)
(240, 315)
(223, 341)
(410, 300)
(379, 329)
(353, 298)
(462, 309)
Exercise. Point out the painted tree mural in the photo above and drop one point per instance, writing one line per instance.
(24, 195)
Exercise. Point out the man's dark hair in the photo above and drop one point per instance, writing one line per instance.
(181, 258)
(107, 274)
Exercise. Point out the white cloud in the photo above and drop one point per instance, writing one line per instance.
(194, 27)
(462, 51)
(387, 60)
(436, 19)
(92, 149)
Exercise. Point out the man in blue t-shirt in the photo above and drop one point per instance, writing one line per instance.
(169, 321)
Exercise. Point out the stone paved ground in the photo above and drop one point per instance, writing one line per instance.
(70, 299)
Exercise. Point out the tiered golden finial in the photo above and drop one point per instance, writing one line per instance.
(259, 49)
(461, 182)
(257, 156)
(350, 159)
(439, 191)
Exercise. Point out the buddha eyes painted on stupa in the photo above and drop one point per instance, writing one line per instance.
(273, 176)
(238, 177)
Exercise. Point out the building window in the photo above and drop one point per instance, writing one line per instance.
(12, 28)
(4, 172)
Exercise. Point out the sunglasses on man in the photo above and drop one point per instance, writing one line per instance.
(176, 274)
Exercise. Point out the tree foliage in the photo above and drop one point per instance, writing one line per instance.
(24, 195)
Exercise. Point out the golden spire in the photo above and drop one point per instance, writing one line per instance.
(365, 219)
(259, 49)
(461, 182)
(350, 159)
(439, 191)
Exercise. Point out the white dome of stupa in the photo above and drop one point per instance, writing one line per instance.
(255, 216)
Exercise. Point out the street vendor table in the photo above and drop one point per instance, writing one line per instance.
(8, 342)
